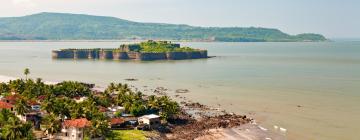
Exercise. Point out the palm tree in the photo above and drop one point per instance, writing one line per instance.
(5, 115)
(15, 130)
(52, 124)
(153, 103)
(9, 132)
(21, 107)
(26, 72)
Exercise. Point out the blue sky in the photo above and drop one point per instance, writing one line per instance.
(333, 18)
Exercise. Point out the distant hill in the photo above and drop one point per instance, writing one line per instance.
(60, 26)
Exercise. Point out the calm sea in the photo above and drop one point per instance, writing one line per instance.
(311, 89)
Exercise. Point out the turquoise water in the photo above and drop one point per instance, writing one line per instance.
(267, 81)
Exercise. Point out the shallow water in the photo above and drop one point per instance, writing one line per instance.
(311, 89)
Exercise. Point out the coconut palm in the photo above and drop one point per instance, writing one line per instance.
(15, 130)
(26, 72)
(4, 88)
(52, 124)
(5, 116)
(21, 107)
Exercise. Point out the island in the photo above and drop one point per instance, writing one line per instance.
(145, 51)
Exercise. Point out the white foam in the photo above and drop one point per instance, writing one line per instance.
(262, 128)
(283, 130)
(276, 127)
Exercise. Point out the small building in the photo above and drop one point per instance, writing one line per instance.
(152, 120)
(80, 99)
(5, 105)
(74, 129)
(111, 111)
(35, 106)
(117, 123)
(33, 117)
(11, 98)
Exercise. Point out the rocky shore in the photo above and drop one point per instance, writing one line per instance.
(201, 122)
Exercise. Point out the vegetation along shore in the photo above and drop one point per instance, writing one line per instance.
(32, 109)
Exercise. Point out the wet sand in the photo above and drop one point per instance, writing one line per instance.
(244, 132)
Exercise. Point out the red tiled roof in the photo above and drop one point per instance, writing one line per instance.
(32, 102)
(5, 105)
(78, 123)
(41, 97)
(12, 98)
(102, 109)
(115, 121)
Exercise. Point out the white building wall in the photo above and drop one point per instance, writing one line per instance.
(72, 134)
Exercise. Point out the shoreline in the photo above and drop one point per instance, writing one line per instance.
(222, 125)
(6, 79)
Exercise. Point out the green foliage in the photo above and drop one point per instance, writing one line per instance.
(12, 128)
(162, 46)
(56, 26)
(137, 105)
(4, 88)
(71, 89)
(127, 135)
(52, 124)
(21, 106)
(59, 104)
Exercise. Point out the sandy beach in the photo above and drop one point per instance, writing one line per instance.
(6, 78)
(244, 132)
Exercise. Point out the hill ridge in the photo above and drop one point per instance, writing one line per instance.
(68, 26)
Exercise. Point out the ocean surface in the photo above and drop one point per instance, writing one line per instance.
(310, 89)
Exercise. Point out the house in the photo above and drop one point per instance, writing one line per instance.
(117, 123)
(41, 98)
(73, 129)
(11, 98)
(152, 120)
(111, 111)
(80, 99)
(35, 106)
(34, 117)
(5, 105)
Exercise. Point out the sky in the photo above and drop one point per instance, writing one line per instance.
(332, 18)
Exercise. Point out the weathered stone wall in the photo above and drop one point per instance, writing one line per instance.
(133, 55)
(81, 54)
(152, 56)
(93, 54)
(186, 55)
(203, 53)
(63, 54)
(106, 54)
(176, 55)
(120, 55)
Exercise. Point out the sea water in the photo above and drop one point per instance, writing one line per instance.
(310, 89)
